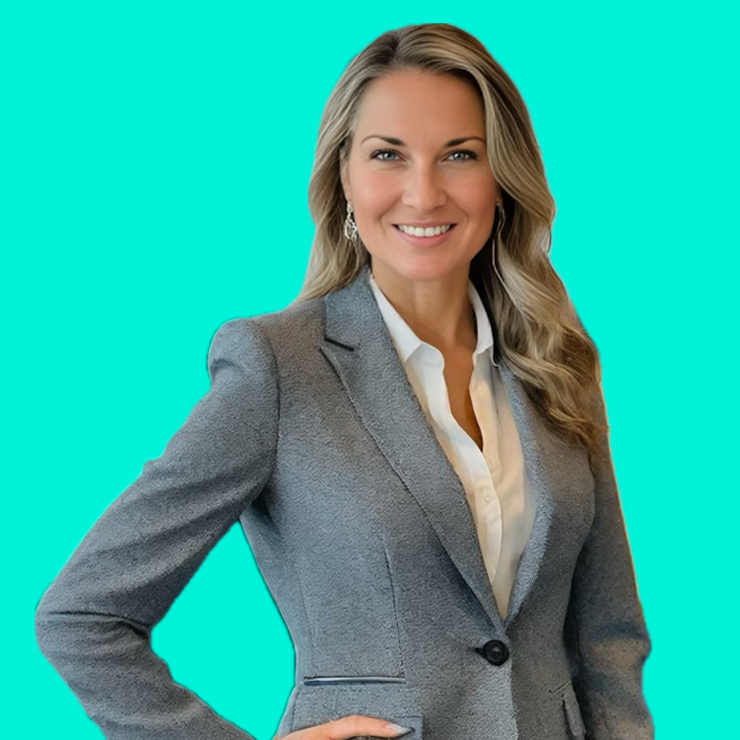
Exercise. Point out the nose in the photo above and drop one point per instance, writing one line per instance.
(424, 189)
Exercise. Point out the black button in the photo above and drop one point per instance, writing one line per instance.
(494, 651)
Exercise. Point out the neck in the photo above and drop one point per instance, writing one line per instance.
(438, 311)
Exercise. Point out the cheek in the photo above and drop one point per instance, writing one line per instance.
(477, 196)
(375, 194)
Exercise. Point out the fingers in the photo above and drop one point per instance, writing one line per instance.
(357, 726)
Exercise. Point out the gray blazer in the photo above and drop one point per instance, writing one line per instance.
(311, 436)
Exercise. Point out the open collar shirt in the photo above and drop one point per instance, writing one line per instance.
(494, 478)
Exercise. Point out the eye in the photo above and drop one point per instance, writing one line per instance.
(470, 155)
(374, 155)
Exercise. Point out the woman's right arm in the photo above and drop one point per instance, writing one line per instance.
(94, 621)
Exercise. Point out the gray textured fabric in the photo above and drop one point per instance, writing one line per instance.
(312, 437)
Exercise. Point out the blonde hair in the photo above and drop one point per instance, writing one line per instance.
(536, 329)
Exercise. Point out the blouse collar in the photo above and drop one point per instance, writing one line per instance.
(406, 340)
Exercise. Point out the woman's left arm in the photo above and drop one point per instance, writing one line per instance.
(605, 626)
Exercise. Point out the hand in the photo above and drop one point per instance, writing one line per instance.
(352, 726)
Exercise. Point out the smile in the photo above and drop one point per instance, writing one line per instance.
(418, 231)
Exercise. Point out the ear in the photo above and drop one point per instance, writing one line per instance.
(343, 167)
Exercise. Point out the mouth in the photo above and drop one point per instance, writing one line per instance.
(424, 236)
(428, 242)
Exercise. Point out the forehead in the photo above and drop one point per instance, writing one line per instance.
(414, 104)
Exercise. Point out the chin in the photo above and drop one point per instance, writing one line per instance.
(422, 267)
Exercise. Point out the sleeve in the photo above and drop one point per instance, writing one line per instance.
(93, 623)
(605, 626)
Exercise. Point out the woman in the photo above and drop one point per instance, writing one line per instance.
(416, 449)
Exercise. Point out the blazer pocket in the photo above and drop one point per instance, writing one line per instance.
(322, 680)
(390, 701)
(571, 708)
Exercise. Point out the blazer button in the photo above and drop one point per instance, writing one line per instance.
(494, 651)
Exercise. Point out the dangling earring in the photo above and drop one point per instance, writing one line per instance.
(350, 227)
(496, 238)
(502, 217)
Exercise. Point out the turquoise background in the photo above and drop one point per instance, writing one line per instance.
(154, 166)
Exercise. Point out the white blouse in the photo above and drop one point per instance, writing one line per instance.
(495, 479)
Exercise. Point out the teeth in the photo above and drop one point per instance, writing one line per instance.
(430, 231)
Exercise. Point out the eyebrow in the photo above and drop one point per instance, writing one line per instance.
(398, 142)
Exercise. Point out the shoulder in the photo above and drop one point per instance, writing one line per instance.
(238, 342)
(263, 339)
(263, 336)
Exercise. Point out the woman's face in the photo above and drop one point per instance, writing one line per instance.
(423, 176)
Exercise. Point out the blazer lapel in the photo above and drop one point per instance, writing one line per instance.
(536, 447)
(358, 345)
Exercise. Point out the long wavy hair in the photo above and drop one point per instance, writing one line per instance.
(535, 326)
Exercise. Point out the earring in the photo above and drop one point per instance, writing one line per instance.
(502, 219)
(350, 227)
(496, 237)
